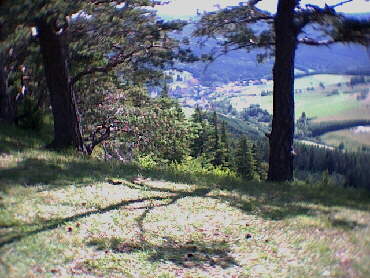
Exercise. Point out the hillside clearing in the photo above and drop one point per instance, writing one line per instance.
(352, 140)
(64, 216)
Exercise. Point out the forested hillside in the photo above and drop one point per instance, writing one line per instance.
(241, 65)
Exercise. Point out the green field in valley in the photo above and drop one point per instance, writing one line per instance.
(319, 104)
(351, 139)
(324, 101)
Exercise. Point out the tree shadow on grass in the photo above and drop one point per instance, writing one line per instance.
(191, 254)
(278, 203)
(346, 225)
(35, 228)
(54, 173)
(270, 201)
(188, 255)
(15, 139)
(285, 199)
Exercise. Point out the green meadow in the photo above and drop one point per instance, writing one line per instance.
(316, 103)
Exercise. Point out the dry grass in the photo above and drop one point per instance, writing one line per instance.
(61, 216)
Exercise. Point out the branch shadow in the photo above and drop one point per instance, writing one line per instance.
(188, 255)
(270, 201)
(54, 173)
(35, 228)
(347, 225)
(279, 203)
(192, 254)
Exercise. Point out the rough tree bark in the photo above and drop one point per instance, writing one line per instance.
(281, 138)
(7, 102)
(67, 129)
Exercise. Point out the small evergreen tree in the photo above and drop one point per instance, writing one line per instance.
(260, 166)
(201, 131)
(245, 160)
(225, 144)
(216, 151)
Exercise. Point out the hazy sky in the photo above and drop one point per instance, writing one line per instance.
(184, 8)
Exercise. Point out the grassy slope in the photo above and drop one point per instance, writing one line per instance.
(59, 217)
(352, 141)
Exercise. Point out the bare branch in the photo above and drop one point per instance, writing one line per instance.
(310, 41)
(104, 134)
(340, 4)
(253, 2)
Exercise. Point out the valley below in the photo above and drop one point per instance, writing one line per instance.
(324, 99)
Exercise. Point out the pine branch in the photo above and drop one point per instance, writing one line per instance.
(114, 62)
(246, 21)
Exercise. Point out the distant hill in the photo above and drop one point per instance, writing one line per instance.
(240, 65)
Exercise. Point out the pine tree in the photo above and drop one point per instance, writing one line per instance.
(261, 172)
(74, 47)
(245, 160)
(224, 140)
(214, 150)
(201, 129)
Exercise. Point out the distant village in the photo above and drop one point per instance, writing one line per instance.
(183, 86)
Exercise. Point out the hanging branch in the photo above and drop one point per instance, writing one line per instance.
(312, 42)
(101, 134)
(114, 62)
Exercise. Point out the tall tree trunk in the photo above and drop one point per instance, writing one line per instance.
(281, 138)
(7, 101)
(67, 129)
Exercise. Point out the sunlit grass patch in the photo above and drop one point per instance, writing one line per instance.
(173, 233)
(71, 220)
